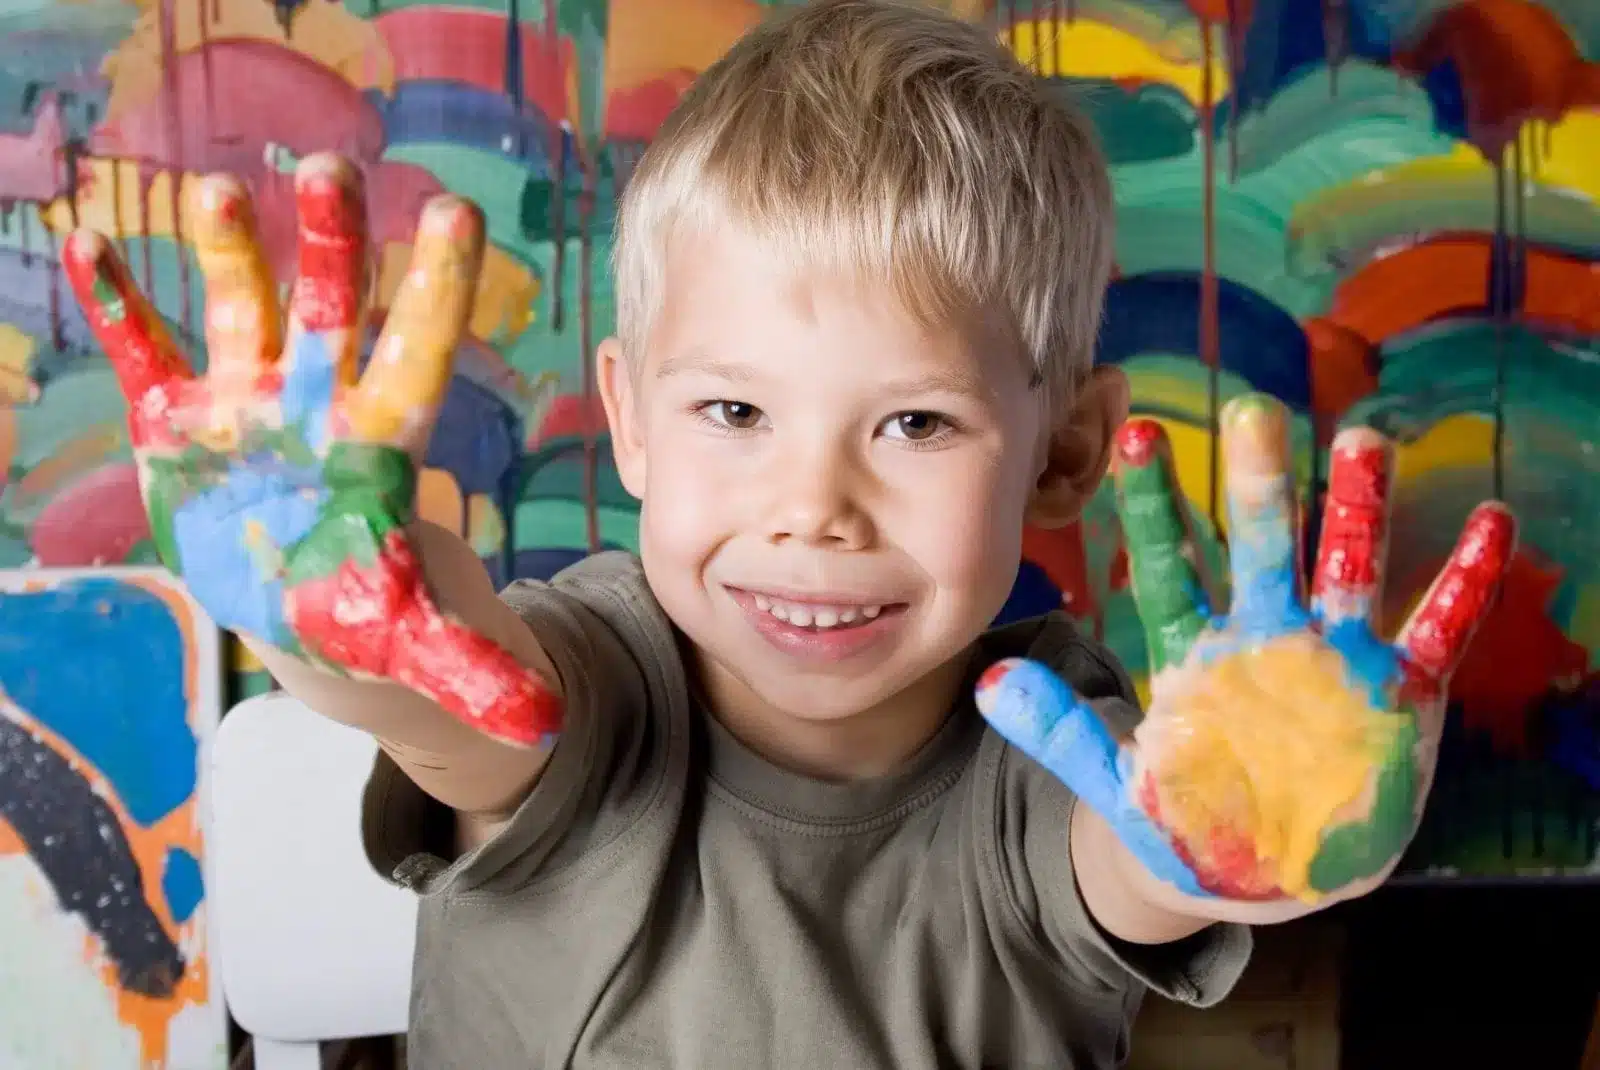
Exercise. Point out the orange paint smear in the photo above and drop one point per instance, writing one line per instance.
(151, 1018)
(1408, 288)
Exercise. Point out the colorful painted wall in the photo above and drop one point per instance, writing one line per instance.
(1380, 210)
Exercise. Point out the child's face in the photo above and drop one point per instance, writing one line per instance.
(833, 496)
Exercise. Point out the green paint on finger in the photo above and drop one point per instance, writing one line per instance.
(1165, 584)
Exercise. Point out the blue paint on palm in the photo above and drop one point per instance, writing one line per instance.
(234, 529)
(307, 396)
(1373, 664)
(1041, 716)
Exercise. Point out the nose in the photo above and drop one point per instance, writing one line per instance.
(816, 500)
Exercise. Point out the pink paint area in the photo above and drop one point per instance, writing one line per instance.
(97, 520)
(820, 645)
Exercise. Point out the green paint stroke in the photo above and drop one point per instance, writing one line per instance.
(1361, 849)
(1166, 587)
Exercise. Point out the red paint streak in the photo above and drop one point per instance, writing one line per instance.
(153, 377)
(1344, 369)
(1516, 657)
(476, 55)
(1227, 12)
(1353, 529)
(570, 415)
(1229, 867)
(1516, 62)
(329, 287)
(96, 520)
(464, 672)
(1138, 441)
(1059, 553)
(1437, 635)
(636, 114)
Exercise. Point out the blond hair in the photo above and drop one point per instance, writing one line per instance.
(901, 144)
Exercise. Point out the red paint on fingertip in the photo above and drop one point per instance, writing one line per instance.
(1139, 440)
(993, 675)
(1355, 518)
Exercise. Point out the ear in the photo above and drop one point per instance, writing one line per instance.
(618, 395)
(1079, 450)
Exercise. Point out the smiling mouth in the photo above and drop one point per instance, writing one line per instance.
(821, 616)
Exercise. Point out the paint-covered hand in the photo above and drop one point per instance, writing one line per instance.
(1288, 747)
(280, 484)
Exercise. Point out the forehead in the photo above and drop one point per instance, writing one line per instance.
(735, 294)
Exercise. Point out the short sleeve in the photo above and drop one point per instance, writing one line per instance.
(624, 730)
(1034, 819)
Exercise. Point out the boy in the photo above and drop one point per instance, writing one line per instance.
(859, 276)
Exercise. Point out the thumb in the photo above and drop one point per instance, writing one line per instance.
(1041, 716)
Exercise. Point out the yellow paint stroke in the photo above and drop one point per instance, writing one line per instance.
(111, 201)
(439, 500)
(1088, 49)
(1273, 744)
(16, 365)
(1464, 441)
(326, 33)
(1563, 156)
(503, 306)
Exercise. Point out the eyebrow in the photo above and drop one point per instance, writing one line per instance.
(693, 362)
(961, 383)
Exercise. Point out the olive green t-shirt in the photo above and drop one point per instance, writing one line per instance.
(665, 898)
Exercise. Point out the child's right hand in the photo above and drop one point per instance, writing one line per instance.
(280, 485)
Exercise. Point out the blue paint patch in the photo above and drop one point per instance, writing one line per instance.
(1372, 663)
(114, 689)
(1041, 716)
(228, 533)
(307, 396)
(182, 884)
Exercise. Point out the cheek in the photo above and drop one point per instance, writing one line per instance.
(685, 513)
(966, 532)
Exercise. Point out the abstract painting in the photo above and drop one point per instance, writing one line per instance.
(110, 690)
(1378, 210)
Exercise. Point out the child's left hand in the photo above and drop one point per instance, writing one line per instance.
(1288, 749)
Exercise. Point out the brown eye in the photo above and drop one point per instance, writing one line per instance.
(914, 426)
(739, 415)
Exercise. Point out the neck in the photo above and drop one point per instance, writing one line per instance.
(871, 743)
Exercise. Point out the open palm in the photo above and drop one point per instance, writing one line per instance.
(280, 485)
(1288, 747)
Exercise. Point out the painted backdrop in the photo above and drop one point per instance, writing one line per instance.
(1384, 210)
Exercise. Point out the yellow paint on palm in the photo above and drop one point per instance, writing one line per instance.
(410, 368)
(1273, 746)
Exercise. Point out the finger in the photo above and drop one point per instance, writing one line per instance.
(405, 382)
(1034, 710)
(329, 297)
(1355, 528)
(243, 330)
(1436, 636)
(136, 341)
(1261, 516)
(1163, 560)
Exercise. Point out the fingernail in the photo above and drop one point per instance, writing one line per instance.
(1255, 431)
(1138, 441)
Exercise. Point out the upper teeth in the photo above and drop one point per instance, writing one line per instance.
(811, 615)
